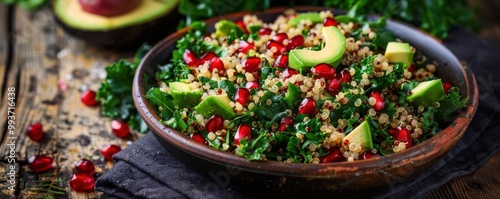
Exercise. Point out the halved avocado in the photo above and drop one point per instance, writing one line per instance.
(149, 21)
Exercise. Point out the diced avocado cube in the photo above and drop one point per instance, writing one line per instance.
(360, 135)
(314, 17)
(216, 104)
(254, 28)
(399, 52)
(335, 44)
(184, 95)
(224, 28)
(426, 93)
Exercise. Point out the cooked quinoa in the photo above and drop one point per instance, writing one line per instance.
(276, 121)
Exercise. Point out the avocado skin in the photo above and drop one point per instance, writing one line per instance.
(129, 37)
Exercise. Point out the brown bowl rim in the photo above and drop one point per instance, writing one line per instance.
(416, 155)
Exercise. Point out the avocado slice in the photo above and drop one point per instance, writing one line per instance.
(360, 135)
(184, 95)
(215, 104)
(224, 28)
(313, 16)
(335, 43)
(399, 52)
(426, 93)
(147, 21)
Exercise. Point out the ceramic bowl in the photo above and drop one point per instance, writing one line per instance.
(345, 178)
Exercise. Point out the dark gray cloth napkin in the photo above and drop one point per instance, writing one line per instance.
(147, 170)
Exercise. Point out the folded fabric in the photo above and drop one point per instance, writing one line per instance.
(147, 170)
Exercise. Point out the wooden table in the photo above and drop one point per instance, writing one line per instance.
(36, 57)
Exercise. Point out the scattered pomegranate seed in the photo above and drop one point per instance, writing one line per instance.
(393, 131)
(82, 183)
(197, 137)
(190, 58)
(242, 96)
(252, 85)
(330, 21)
(279, 47)
(119, 128)
(216, 63)
(295, 41)
(243, 131)
(40, 163)
(88, 98)
(288, 72)
(109, 150)
(379, 100)
(345, 76)
(334, 156)
(85, 166)
(251, 64)
(308, 106)
(405, 137)
(207, 57)
(323, 71)
(35, 132)
(265, 31)
(242, 25)
(447, 87)
(214, 123)
(280, 37)
(335, 86)
(281, 61)
(366, 155)
(285, 122)
(245, 46)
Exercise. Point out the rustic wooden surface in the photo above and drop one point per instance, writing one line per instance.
(42, 56)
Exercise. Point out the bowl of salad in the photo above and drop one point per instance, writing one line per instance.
(308, 100)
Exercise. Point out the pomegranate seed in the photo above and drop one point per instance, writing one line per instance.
(245, 46)
(243, 131)
(412, 68)
(214, 123)
(198, 138)
(109, 150)
(330, 21)
(265, 31)
(405, 137)
(345, 76)
(190, 58)
(379, 100)
(281, 61)
(288, 72)
(85, 166)
(119, 128)
(252, 85)
(40, 163)
(279, 47)
(295, 41)
(82, 182)
(335, 86)
(280, 37)
(285, 122)
(447, 87)
(393, 131)
(323, 71)
(242, 25)
(251, 64)
(216, 63)
(366, 155)
(334, 156)
(242, 95)
(207, 57)
(308, 106)
(35, 132)
(88, 98)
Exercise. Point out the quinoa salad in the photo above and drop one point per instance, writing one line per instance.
(307, 88)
